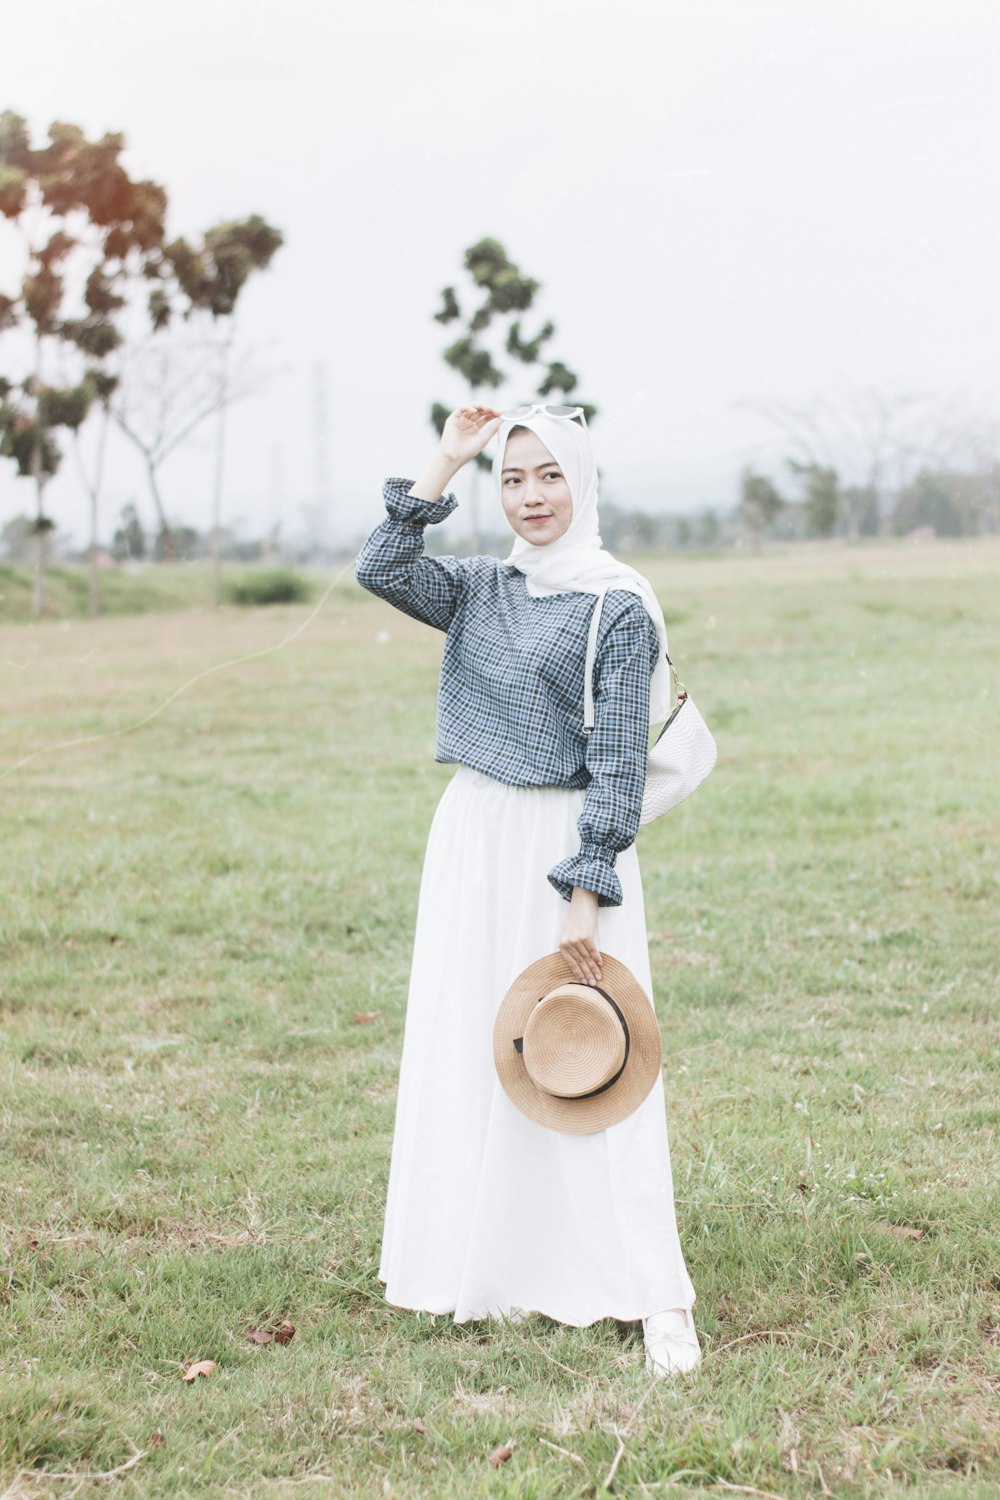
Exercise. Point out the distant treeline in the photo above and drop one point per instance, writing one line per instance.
(940, 503)
(132, 542)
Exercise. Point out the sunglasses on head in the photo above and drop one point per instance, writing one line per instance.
(520, 412)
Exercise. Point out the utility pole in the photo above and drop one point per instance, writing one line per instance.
(321, 414)
(272, 549)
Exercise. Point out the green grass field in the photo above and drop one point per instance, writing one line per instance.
(195, 1128)
(124, 590)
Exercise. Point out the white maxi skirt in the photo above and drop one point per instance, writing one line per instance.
(486, 1211)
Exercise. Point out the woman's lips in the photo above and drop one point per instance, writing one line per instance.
(537, 518)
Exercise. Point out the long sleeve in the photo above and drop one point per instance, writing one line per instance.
(392, 563)
(615, 756)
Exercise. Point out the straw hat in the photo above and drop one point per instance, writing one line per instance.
(576, 1057)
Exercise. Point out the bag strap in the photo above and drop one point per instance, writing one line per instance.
(588, 675)
(588, 671)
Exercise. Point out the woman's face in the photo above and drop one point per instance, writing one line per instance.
(533, 486)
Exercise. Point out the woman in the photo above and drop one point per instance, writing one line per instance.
(531, 849)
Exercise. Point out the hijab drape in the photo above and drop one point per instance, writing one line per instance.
(577, 562)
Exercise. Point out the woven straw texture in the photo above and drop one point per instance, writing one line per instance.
(582, 1054)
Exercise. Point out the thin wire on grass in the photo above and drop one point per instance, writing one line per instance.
(557, 1362)
(623, 1434)
(780, 1333)
(82, 1475)
(715, 1484)
(359, 1291)
(575, 1457)
(616, 1460)
(301, 1479)
(236, 661)
(741, 1203)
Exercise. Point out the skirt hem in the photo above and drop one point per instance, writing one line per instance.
(557, 1317)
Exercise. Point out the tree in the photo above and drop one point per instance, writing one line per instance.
(979, 497)
(860, 502)
(185, 542)
(821, 499)
(500, 291)
(212, 276)
(760, 502)
(102, 386)
(166, 387)
(129, 540)
(645, 530)
(709, 528)
(17, 539)
(877, 441)
(86, 227)
(170, 383)
(933, 499)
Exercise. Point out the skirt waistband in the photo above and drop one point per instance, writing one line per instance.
(472, 777)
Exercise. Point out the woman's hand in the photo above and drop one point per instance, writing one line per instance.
(467, 431)
(578, 943)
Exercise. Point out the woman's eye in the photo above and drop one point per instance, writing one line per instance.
(554, 474)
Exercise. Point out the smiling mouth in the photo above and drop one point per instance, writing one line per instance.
(538, 518)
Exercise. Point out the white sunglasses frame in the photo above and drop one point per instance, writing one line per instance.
(520, 413)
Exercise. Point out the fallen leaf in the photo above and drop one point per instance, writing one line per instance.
(200, 1367)
(280, 1333)
(367, 1015)
(419, 1425)
(906, 1230)
(500, 1455)
(155, 1440)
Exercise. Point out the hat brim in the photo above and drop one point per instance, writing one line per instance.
(577, 1116)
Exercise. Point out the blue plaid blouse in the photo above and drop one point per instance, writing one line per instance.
(510, 699)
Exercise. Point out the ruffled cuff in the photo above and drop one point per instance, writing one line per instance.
(404, 507)
(592, 868)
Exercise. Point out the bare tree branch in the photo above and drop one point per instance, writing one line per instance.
(173, 381)
(878, 441)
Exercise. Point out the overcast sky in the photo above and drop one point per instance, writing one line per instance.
(722, 200)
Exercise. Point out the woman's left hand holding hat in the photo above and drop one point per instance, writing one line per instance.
(578, 943)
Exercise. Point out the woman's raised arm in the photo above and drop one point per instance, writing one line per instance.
(392, 563)
(465, 433)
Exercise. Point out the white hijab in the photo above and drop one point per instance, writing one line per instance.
(576, 562)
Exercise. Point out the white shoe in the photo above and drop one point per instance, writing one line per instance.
(671, 1342)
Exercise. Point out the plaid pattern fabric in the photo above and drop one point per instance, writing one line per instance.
(510, 700)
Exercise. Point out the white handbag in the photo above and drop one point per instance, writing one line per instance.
(684, 751)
